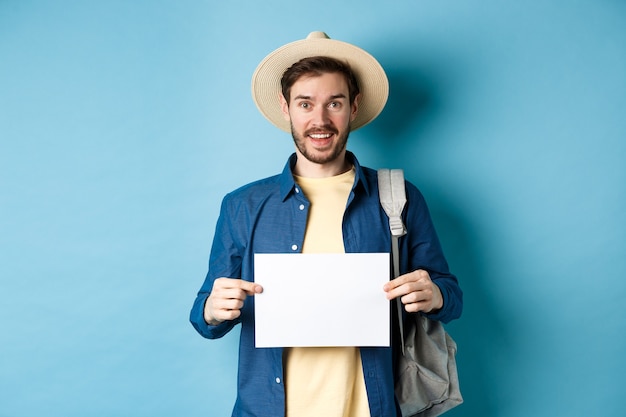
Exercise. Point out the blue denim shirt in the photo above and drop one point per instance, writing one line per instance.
(269, 216)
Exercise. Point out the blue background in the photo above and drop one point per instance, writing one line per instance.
(123, 123)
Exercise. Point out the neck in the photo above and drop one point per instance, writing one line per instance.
(308, 169)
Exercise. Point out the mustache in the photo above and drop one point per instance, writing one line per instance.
(327, 128)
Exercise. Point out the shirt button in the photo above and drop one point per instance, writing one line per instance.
(301, 206)
(294, 247)
(297, 190)
(278, 380)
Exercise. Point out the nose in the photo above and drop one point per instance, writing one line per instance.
(320, 116)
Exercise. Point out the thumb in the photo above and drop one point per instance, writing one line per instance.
(251, 288)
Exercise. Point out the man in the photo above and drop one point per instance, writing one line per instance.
(323, 202)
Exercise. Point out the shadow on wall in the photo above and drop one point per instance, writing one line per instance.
(411, 104)
(481, 334)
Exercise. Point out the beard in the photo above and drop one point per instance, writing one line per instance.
(321, 157)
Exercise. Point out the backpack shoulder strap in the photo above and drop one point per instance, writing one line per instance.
(393, 198)
(392, 194)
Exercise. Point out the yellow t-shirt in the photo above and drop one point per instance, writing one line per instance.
(325, 381)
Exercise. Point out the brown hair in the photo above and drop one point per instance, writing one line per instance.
(316, 66)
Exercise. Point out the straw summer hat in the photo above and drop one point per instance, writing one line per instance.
(370, 75)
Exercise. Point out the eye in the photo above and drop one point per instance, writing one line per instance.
(304, 105)
(334, 105)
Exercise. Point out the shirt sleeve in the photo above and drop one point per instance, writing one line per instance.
(225, 261)
(421, 249)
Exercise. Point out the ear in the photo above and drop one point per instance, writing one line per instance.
(284, 106)
(355, 107)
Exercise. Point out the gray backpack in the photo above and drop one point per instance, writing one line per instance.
(427, 382)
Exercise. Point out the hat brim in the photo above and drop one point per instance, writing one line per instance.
(370, 75)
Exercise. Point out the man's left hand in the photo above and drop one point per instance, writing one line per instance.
(416, 291)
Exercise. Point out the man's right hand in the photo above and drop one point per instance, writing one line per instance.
(226, 299)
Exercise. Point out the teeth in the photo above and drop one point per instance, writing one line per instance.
(320, 135)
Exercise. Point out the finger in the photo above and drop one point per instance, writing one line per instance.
(227, 303)
(224, 315)
(427, 300)
(394, 293)
(223, 309)
(251, 288)
(227, 298)
(415, 307)
(395, 287)
(417, 301)
(220, 296)
(225, 283)
(396, 282)
(416, 297)
(406, 289)
(418, 275)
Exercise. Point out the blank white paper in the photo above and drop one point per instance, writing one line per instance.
(321, 300)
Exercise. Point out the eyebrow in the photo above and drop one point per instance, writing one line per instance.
(333, 97)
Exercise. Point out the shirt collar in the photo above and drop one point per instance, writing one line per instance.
(288, 184)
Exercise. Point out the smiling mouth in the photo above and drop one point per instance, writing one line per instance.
(321, 132)
(320, 135)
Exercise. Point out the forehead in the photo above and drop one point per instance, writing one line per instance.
(320, 86)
